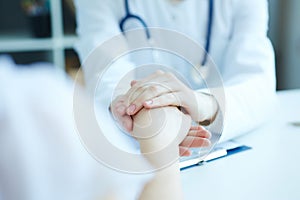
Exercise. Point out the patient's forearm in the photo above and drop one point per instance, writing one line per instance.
(166, 185)
(165, 128)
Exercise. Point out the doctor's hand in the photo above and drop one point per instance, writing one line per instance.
(162, 89)
(157, 90)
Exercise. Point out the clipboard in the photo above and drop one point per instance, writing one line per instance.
(199, 155)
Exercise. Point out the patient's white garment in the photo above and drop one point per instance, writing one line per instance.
(41, 156)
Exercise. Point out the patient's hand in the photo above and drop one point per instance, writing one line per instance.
(196, 137)
(159, 132)
(155, 129)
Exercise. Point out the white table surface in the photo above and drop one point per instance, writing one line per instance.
(271, 170)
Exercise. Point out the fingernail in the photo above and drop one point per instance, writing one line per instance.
(131, 109)
(149, 102)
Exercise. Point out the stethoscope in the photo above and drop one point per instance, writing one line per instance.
(128, 16)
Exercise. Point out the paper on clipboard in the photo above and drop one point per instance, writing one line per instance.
(199, 155)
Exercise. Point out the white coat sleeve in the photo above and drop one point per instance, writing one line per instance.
(248, 70)
(98, 22)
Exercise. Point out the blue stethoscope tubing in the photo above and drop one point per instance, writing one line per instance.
(130, 15)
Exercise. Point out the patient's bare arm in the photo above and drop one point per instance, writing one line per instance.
(159, 132)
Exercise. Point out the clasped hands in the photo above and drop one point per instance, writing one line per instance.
(162, 89)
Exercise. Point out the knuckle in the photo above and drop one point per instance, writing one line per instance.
(113, 108)
(134, 94)
(138, 102)
(153, 89)
(119, 111)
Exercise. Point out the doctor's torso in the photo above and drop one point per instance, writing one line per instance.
(239, 46)
(239, 42)
(189, 17)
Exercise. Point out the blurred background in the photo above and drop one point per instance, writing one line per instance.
(33, 31)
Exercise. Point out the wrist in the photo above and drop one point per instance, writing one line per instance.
(205, 108)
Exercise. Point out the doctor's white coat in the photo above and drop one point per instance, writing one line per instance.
(239, 46)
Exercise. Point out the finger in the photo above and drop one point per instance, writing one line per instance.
(201, 133)
(169, 99)
(197, 128)
(152, 76)
(136, 83)
(167, 81)
(157, 80)
(184, 151)
(133, 94)
(118, 101)
(149, 92)
(192, 142)
(119, 110)
(122, 119)
(127, 123)
(134, 105)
